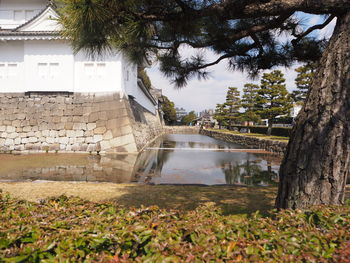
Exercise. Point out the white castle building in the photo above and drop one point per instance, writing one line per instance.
(36, 61)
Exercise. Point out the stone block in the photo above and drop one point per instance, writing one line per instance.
(105, 145)
(53, 133)
(100, 130)
(103, 115)
(45, 133)
(83, 147)
(68, 126)
(10, 129)
(63, 140)
(9, 142)
(70, 133)
(12, 135)
(2, 128)
(108, 135)
(33, 139)
(91, 148)
(79, 133)
(60, 126)
(79, 126)
(126, 130)
(91, 126)
(93, 117)
(27, 129)
(16, 123)
(17, 141)
(50, 140)
(62, 133)
(97, 138)
(112, 124)
(101, 123)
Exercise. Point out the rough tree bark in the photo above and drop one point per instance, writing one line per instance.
(269, 127)
(316, 163)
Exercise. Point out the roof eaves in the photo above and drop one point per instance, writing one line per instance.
(49, 5)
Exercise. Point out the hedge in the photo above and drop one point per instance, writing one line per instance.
(72, 230)
(276, 131)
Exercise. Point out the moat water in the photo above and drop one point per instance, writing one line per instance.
(171, 159)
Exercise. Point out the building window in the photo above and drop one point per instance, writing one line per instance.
(8, 70)
(127, 75)
(2, 71)
(93, 70)
(89, 69)
(12, 70)
(101, 69)
(54, 70)
(48, 70)
(43, 70)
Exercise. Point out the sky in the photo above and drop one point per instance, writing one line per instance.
(205, 94)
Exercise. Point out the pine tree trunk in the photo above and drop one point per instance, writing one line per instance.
(269, 128)
(316, 163)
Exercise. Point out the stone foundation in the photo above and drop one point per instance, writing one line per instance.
(277, 147)
(181, 129)
(66, 122)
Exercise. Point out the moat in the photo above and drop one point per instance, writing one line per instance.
(171, 159)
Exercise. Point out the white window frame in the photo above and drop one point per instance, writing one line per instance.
(9, 70)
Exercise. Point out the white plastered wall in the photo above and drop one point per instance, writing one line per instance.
(25, 10)
(131, 87)
(102, 74)
(48, 66)
(11, 66)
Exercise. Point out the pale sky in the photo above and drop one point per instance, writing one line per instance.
(205, 94)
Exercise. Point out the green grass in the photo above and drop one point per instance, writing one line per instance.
(257, 135)
(73, 230)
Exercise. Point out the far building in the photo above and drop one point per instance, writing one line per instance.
(206, 118)
(180, 113)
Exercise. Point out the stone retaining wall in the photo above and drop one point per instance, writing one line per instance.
(76, 122)
(277, 147)
(181, 129)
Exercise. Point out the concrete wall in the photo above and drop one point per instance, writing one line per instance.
(81, 122)
(277, 147)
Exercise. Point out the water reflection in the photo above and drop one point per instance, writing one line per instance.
(249, 173)
(166, 162)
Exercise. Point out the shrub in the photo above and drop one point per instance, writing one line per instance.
(72, 230)
(276, 131)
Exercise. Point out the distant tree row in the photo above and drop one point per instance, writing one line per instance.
(268, 100)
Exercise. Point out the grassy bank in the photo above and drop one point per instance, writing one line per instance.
(231, 199)
(256, 135)
(73, 230)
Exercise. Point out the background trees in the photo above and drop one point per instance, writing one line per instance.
(220, 115)
(303, 81)
(168, 108)
(273, 99)
(249, 103)
(232, 105)
(189, 118)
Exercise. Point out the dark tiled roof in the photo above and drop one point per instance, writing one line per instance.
(28, 33)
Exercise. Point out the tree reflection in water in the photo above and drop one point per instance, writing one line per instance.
(150, 163)
(249, 173)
